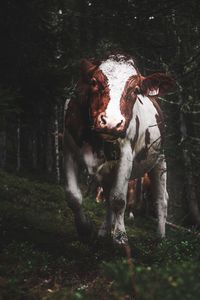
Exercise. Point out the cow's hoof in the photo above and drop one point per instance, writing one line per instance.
(120, 238)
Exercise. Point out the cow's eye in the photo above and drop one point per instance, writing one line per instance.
(93, 82)
(137, 90)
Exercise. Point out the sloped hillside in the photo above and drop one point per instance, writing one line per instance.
(42, 258)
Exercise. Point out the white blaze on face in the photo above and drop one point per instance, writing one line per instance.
(117, 73)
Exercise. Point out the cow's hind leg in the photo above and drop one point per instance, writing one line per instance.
(74, 198)
(159, 180)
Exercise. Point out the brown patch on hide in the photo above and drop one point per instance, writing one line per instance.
(128, 99)
(147, 137)
(142, 155)
(134, 140)
(98, 96)
(74, 122)
(156, 81)
(93, 92)
(77, 124)
(102, 81)
(87, 68)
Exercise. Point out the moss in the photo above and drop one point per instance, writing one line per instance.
(42, 258)
(40, 206)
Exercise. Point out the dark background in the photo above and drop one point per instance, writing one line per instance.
(42, 43)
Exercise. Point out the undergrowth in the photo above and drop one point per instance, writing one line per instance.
(42, 258)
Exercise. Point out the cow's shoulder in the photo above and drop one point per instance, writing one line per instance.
(76, 120)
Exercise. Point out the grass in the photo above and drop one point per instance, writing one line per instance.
(42, 258)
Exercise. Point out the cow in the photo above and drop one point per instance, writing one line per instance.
(114, 128)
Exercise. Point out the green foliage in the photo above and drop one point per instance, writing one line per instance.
(171, 270)
(171, 281)
(23, 201)
(120, 274)
(42, 258)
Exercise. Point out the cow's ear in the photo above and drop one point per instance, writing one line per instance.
(87, 68)
(157, 84)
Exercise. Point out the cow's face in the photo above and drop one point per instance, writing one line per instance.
(112, 92)
(112, 87)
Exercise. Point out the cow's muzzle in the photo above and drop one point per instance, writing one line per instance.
(114, 123)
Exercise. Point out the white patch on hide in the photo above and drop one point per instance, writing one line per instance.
(117, 73)
(146, 112)
(71, 175)
(90, 158)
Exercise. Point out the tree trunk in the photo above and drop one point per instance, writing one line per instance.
(191, 196)
(34, 151)
(56, 139)
(18, 144)
(49, 158)
(2, 148)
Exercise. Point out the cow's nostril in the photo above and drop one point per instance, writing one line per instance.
(119, 124)
(103, 119)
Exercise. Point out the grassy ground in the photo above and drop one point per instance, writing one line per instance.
(42, 258)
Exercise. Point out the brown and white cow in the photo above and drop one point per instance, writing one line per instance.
(115, 117)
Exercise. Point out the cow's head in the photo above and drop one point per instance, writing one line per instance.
(112, 87)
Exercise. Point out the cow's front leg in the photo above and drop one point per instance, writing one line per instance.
(118, 193)
(159, 181)
(74, 197)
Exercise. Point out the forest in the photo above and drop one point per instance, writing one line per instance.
(42, 44)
